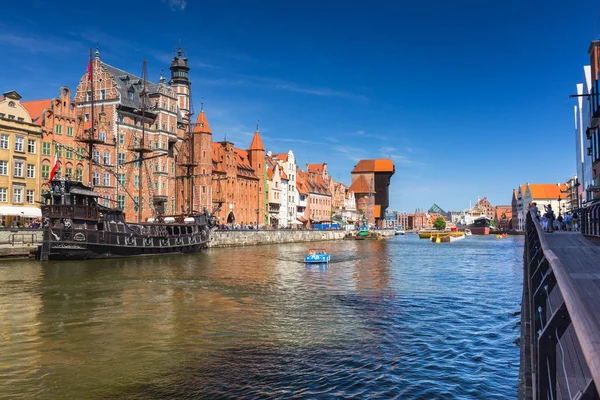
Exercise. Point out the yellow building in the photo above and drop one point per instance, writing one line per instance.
(20, 145)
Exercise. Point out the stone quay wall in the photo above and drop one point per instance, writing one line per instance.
(20, 236)
(226, 238)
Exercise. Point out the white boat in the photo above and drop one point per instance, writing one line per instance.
(468, 232)
(399, 231)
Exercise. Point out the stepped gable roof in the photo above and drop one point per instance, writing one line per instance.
(546, 190)
(256, 143)
(35, 108)
(127, 82)
(377, 165)
(201, 125)
(360, 185)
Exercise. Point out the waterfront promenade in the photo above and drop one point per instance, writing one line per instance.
(560, 357)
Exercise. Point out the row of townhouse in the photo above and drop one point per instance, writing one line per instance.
(303, 198)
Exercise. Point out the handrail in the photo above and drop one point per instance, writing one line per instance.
(587, 328)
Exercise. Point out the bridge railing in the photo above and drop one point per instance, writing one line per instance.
(563, 340)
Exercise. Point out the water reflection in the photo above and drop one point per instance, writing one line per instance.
(397, 317)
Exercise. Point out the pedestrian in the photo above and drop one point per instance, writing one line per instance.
(536, 211)
(559, 222)
(575, 221)
(544, 223)
(568, 221)
(550, 217)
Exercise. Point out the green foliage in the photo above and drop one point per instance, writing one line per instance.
(439, 223)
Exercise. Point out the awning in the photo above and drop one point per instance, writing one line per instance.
(295, 222)
(303, 220)
(29, 212)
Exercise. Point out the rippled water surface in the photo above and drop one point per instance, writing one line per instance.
(400, 317)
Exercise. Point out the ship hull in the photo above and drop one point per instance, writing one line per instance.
(480, 230)
(97, 245)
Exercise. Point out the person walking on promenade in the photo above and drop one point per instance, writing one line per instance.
(536, 210)
(568, 221)
(550, 217)
(544, 223)
(559, 222)
(575, 219)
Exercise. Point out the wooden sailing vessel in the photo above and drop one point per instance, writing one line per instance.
(77, 226)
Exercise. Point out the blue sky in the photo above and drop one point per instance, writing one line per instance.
(469, 98)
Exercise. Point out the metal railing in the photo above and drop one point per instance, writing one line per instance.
(564, 344)
(70, 211)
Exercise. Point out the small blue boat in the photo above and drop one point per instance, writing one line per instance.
(317, 256)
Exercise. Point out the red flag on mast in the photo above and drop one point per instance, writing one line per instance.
(54, 168)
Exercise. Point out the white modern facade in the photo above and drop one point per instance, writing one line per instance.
(582, 119)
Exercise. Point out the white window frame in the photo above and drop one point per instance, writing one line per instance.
(18, 170)
(17, 194)
(19, 143)
(4, 142)
(30, 196)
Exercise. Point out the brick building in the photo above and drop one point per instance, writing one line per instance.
(238, 181)
(59, 121)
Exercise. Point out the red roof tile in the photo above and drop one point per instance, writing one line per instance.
(546, 190)
(315, 168)
(377, 165)
(35, 108)
(256, 143)
(281, 156)
(201, 125)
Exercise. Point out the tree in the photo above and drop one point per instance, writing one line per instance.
(439, 223)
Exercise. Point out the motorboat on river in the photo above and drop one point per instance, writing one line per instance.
(317, 256)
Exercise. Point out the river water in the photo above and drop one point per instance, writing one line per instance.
(394, 318)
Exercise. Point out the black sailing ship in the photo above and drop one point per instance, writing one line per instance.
(76, 226)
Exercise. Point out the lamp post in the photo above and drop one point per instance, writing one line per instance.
(559, 199)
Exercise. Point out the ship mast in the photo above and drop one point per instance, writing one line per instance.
(141, 149)
(90, 139)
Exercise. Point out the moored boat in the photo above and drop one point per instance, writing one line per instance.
(447, 238)
(76, 226)
(480, 226)
(429, 233)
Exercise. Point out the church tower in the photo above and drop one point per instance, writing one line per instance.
(180, 82)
